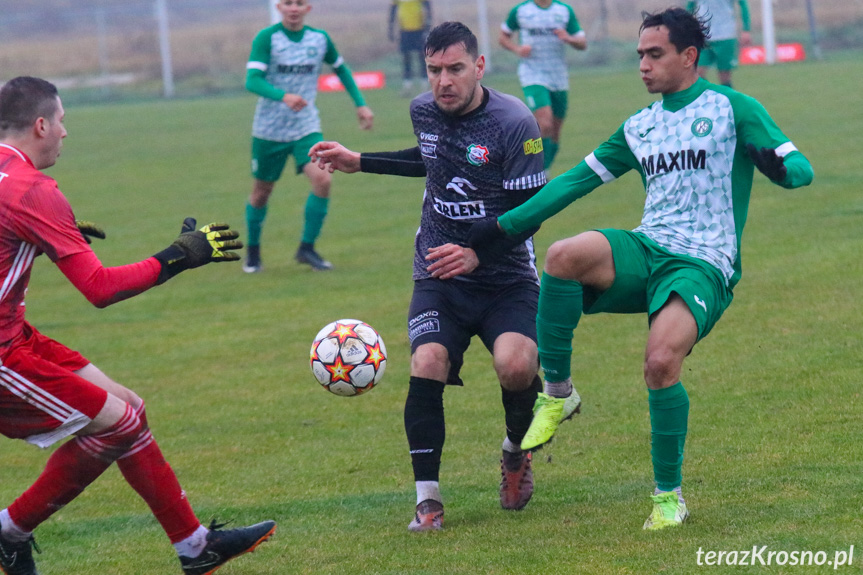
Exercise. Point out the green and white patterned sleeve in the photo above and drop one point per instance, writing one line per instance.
(256, 68)
(609, 161)
(756, 127)
(572, 27)
(334, 59)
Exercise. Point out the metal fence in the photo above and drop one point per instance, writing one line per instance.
(111, 49)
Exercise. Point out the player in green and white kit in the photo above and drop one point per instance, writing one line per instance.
(722, 48)
(545, 29)
(283, 69)
(695, 150)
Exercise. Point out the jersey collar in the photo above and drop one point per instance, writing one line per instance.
(17, 152)
(678, 100)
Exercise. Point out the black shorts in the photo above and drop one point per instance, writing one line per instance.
(452, 312)
(412, 40)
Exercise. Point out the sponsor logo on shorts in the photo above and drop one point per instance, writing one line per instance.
(428, 326)
(426, 322)
(700, 302)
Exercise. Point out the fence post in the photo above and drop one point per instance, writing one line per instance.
(165, 48)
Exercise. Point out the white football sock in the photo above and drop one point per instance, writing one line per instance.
(194, 544)
(510, 446)
(11, 531)
(428, 490)
(559, 388)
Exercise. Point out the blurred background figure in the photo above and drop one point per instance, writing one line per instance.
(414, 22)
(722, 47)
(545, 28)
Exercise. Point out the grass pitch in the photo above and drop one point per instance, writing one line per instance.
(773, 454)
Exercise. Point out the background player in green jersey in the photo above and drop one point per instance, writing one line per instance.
(283, 70)
(722, 50)
(696, 150)
(545, 28)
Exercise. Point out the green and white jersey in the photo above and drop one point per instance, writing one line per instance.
(292, 62)
(546, 65)
(690, 149)
(720, 16)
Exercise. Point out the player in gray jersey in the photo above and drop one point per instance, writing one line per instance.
(283, 69)
(695, 150)
(481, 155)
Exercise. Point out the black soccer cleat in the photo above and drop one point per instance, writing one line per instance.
(222, 546)
(16, 557)
(307, 255)
(252, 264)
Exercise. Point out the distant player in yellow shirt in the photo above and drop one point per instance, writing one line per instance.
(414, 20)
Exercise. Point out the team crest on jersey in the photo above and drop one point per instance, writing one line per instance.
(477, 155)
(701, 127)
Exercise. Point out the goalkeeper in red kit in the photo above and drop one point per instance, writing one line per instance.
(49, 392)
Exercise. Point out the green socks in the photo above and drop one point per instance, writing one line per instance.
(254, 223)
(560, 306)
(316, 211)
(549, 151)
(669, 413)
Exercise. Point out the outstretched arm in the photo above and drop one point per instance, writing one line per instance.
(105, 286)
(333, 156)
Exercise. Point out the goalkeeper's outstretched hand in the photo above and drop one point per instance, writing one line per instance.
(90, 230)
(193, 248)
(768, 162)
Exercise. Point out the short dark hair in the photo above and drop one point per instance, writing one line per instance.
(449, 34)
(25, 99)
(685, 29)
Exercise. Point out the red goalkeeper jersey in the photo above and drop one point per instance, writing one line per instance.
(36, 218)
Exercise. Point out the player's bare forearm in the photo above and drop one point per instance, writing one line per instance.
(577, 40)
(366, 117)
(332, 156)
(506, 42)
(294, 102)
(451, 260)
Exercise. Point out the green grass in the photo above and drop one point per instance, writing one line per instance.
(773, 456)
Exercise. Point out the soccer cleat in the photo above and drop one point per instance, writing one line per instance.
(668, 511)
(16, 557)
(429, 516)
(548, 413)
(307, 255)
(252, 264)
(222, 546)
(516, 480)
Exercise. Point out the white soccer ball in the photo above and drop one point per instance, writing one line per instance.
(348, 357)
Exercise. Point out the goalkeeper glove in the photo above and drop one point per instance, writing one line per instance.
(768, 162)
(193, 248)
(90, 230)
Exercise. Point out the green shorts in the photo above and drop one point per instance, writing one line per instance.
(719, 53)
(646, 275)
(539, 96)
(269, 158)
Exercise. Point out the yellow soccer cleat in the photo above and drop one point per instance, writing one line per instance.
(548, 413)
(668, 511)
